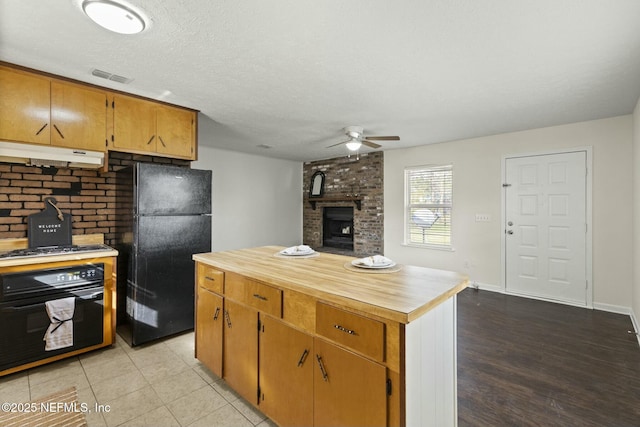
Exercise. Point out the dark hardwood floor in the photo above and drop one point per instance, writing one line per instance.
(523, 362)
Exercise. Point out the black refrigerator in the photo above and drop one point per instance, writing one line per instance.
(164, 217)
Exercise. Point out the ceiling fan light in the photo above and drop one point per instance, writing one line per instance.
(113, 16)
(353, 145)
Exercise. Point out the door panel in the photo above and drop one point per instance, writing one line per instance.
(161, 281)
(240, 364)
(24, 107)
(209, 320)
(172, 190)
(78, 117)
(134, 124)
(545, 236)
(349, 389)
(286, 370)
(175, 131)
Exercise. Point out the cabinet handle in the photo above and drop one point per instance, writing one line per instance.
(58, 130)
(303, 357)
(343, 329)
(260, 297)
(42, 128)
(215, 315)
(162, 142)
(209, 278)
(149, 142)
(324, 373)
(226, 315)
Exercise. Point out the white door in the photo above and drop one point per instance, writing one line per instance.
(545, 230)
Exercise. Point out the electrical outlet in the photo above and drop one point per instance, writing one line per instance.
(483, 217)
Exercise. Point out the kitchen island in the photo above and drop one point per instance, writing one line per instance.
(312, 340)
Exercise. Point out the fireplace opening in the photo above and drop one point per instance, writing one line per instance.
(337, 226)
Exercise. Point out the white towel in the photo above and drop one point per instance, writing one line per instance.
(374, 261)
(60, 332)
(293, 250)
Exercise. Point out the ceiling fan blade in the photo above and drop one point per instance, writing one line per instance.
(383, 138)
(343, 142)
(370, 144)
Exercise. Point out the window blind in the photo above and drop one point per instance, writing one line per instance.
(429, 202)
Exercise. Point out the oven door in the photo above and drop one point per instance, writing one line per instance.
(24, 324)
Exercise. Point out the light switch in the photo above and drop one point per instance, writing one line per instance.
(483, 217)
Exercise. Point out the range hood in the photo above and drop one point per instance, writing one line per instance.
(46, 155)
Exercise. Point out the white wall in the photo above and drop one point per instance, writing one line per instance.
(478, 186)
(636, 217)
(257, 200)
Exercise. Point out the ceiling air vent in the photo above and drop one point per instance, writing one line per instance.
(109, 76)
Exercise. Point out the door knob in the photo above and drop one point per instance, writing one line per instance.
(510, 223)
(509, 231)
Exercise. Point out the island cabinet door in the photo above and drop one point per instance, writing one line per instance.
(209, 321)
(349, 390)
(286, 373)
(240, 361)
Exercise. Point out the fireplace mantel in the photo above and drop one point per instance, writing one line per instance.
(356, 200)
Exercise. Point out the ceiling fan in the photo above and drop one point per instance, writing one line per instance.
(357, 139)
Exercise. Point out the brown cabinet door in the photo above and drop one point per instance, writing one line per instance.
(78, 117)
(134, 124)
(240, 364)
(209, 321)
(286, 373)
(24, 107)
(349, 389)
(175, 129)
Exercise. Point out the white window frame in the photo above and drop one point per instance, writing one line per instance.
(408, 206)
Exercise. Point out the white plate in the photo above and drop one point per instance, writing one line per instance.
(299, 253)
(356, 264)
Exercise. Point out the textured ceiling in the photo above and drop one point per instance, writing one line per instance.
(290, 74)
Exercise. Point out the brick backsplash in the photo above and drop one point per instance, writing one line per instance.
(346, 176)
(87, 194)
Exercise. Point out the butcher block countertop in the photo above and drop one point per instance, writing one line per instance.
(7, 245)
(401, 296)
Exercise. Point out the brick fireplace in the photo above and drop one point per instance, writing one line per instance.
(353, 184)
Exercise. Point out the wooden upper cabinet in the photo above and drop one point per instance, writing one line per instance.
(146, 127)
(24, 107)
(134, 124)
(176, 129)
(42, 110)
(78, 117)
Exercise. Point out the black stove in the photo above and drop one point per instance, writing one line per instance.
(53, 250)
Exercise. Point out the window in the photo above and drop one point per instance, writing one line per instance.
(428, 206)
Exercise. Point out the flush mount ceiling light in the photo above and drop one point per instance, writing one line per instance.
(113, 16)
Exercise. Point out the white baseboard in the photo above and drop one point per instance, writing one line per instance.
(636, 325)
(612, 308)
(485, 286)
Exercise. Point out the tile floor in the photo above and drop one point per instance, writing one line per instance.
(160, 384)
